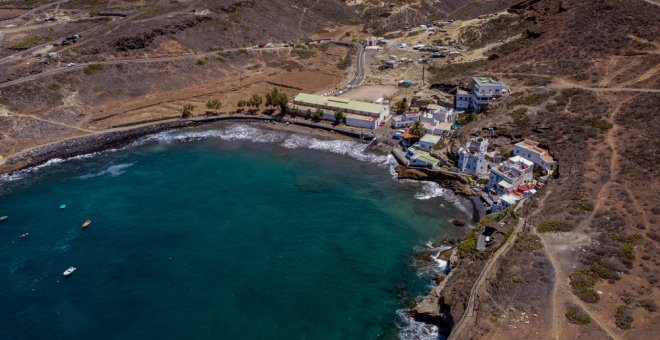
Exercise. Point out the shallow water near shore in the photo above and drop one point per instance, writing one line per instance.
(217, 233)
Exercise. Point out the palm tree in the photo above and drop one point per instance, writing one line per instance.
(417, 129)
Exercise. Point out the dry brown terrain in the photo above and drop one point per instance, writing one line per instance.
(585, 80)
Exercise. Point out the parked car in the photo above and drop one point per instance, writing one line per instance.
(70, 64)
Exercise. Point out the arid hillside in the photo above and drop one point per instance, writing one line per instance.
(584, 78)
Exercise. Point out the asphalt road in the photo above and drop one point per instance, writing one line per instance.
(359, 68)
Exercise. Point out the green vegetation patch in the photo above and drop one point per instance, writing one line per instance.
(528, 242)
(93, 69)
(346, 61)
(577, 316)
(530, 100)
(582, 282)
(446, 72)
(30, 42)
(556, 226)
(623, 317)
(285, 64)
(303, 53)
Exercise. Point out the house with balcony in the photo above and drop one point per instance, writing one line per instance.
(530, 150)
(405, 120)
(472, 157)
(509, 175)
(484, 91)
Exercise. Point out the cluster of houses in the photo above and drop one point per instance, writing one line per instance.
(510, 180)
(437, 120)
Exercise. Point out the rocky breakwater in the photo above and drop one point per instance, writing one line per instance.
(86, 144)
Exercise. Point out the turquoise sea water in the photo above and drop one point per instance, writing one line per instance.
(206, 235)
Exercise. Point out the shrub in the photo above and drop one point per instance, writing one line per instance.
(602, 271)
(648, 304)
(577, 316)
(93, 69)
(623, 317)
(582, 282)
(555, 226)
(303, 53)
(528, 242)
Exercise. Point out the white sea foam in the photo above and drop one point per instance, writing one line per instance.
(430, 190)
(352, 149)
(234, 132)
(22, 173)
(412, 329)
(113, 171)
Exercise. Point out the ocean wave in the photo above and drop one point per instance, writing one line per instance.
(113, 171)
(22, 173)
(411, 329)
(348, 148)
(240, 132)
(433, 189)
(231, 133)
(430, 190)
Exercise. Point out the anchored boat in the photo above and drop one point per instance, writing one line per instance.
(2, 218)
(69, 271)
(86, 223)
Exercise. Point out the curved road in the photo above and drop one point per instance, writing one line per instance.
(359, 68)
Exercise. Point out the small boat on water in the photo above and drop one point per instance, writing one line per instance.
(86, 223)
(62, 206)
(69, 271)
(3, 218)
(24, 235)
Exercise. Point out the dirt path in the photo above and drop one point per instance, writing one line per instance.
(561, 288)
(469, 316)
(51, 122)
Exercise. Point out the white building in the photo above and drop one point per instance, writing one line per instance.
(485, 90)
(509, 175)
(405, 120)
(366, 122)
(427, 142)
(530, 150)
(372, 113)
(472, 157)
(418, 157)
(461, 100)
(441, 114)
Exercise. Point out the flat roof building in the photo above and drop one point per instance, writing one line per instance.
(337, 103)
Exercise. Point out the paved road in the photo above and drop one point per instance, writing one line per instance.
(359, 68)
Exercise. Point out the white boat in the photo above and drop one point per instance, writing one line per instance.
(69, 271)
(2, 218)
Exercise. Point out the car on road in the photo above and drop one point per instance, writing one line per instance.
(70, 64)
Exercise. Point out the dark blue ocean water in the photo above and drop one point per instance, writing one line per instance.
(207, 235)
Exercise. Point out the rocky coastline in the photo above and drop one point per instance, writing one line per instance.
(431, 309)
(118, 138)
